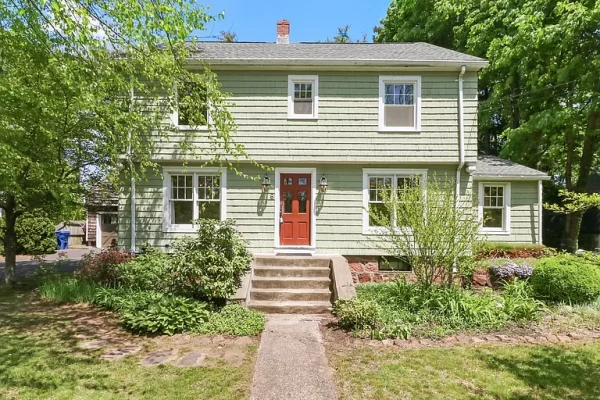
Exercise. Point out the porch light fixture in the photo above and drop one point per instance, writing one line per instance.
(323, 184)
(266, 183)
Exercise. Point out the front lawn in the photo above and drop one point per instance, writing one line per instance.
(41, 359)
(485, 372)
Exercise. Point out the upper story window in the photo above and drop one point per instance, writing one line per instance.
(192, 105)
(192, 194)
(494, 207)
(303, 96)
(400, 103)
(378, 185)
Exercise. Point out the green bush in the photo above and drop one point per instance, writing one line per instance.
(234, 320)
(404, 309)
(151, 270)
(35, 234)
(566, 279)
(211, 264)
(357, 314)
(67, 289)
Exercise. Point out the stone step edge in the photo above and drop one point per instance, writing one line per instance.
(284, 290)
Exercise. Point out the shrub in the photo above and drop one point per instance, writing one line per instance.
(164, 314)
(149, 271)
(566, 279)
(235, 320)
(210, 265)
(507, 269)
(357, 313)
(35, 234)
(67, 289)
(102, 267)
(485, 250)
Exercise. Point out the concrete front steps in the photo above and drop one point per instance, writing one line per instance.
(291, 285)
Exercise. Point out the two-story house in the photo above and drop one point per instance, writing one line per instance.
(337, 122)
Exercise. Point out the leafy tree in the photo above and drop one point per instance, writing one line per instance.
(86, 87)
(540, 95)
(227, 37)
(427, 229)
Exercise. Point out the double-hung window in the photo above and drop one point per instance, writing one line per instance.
(192, 194)
(378, 186)
(400, 103)
(192, 106)
(303, 96)
(494, 207)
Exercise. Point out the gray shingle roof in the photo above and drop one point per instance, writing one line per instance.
(495, 167)
(343, 53)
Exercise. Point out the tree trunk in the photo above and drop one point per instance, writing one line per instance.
(10, 241)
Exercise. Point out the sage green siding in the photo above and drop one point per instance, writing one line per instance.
(524, 214)
(346, 130)
(339, 215)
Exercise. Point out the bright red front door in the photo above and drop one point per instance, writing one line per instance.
(294, 222)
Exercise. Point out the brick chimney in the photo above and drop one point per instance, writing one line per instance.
(283, 31)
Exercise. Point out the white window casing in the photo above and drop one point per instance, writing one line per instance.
(489, 200)
(196, 174)
(175, 116)
(303, 93)
(399, 103)
(394, 174)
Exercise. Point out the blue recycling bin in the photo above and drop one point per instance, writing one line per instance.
(62, 237)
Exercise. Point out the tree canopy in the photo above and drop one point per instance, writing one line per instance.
(540, 95)
(86, 90)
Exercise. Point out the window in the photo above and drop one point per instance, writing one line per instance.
(379, 185)
(389, 263)
(303, 96)
(109, 219)
(191, 195)
(494, 207)
(192, 102)
(400, 103)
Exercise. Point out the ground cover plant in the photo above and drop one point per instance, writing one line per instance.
(156, 293)
(399, 309)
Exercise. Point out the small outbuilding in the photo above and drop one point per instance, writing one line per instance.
(102, 206)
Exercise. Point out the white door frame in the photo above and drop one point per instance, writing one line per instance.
(313, 207)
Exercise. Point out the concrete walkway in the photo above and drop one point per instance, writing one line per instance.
(291, 361)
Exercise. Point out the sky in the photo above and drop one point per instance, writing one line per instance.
(310, 20)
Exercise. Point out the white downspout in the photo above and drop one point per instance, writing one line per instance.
(461, 133)
(539, 238)
(132, 191)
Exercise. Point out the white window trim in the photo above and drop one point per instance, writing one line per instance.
(303, 79)
(416, 80)
(175, 116)
(313, 211)
(167, 172)
(505, 230)
(373, 230)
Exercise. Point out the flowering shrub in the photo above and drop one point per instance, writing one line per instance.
(506, 269)
(102, 267)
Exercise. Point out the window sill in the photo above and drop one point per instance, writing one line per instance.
(178, 229)
(309, 118)
(383, 231)
(398, 130)
(493, 232)
(192, 128)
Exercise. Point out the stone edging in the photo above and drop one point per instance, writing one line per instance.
(449, 341)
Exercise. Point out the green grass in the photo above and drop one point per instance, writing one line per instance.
(486, 372)
(67, 289)
(40, 360)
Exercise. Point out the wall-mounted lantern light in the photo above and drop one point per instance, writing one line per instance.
(323, 185)
(266, 183)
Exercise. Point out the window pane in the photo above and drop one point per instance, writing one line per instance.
(492, 218)
(399, 115)
(302, 181)
(302, 201)
(408, 89)
(192, 103)
(182, 212)
(209, 210)
(303, 107)
(287, 202)
(379, 210)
